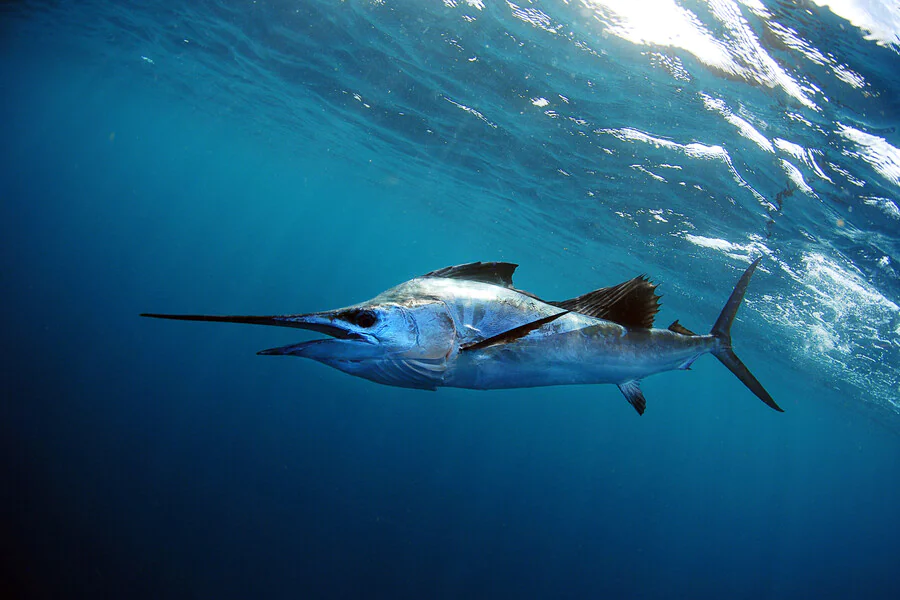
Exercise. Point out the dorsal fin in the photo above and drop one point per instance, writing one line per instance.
(497, 273)
(679, 328)
(633, 303)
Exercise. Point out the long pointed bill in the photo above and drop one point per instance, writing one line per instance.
(319, 322)
(344, 345)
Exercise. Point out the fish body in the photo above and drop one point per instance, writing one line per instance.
(467, 326)
(600, 353)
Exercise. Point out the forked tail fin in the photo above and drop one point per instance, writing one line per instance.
(722, 331)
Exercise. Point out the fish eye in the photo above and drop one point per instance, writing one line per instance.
(362, 318)
(366, 318)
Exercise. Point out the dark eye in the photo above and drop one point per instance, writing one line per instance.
(363, 318)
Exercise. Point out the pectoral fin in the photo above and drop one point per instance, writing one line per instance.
(634, 395)
(513, 334)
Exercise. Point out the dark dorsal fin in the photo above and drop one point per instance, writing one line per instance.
(679, 328)
(513, 334)
(633, 303)
(497, 273)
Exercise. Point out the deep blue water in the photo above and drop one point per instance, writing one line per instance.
(271, 157)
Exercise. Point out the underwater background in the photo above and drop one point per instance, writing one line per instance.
(266, 157)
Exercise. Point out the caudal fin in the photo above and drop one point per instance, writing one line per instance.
(722, 331)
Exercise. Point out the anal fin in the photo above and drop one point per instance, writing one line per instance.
(634, 395)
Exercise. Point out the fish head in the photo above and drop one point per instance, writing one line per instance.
(402, 337)
(403, 342)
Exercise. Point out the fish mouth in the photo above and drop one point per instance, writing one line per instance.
(343, 345)
(329, 328)
(331, 350)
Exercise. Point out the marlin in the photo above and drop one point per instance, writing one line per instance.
(467, 326)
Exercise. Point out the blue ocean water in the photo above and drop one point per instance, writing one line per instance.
(258, 157)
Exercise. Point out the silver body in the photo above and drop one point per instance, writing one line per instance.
(447, 314)
(466, 326)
